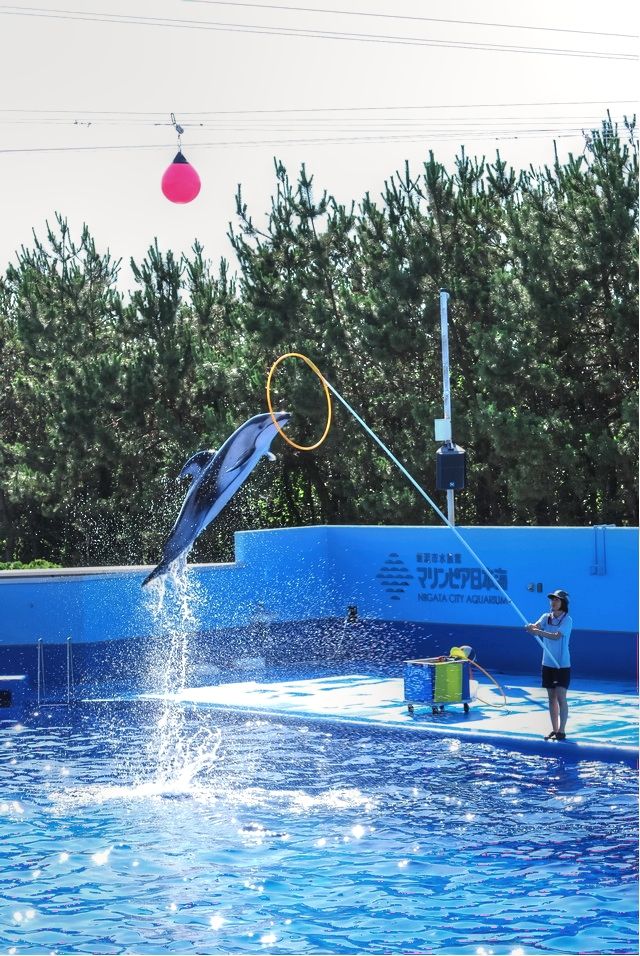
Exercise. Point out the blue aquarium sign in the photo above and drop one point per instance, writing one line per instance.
(441, 576)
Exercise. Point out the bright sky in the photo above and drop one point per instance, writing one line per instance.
(87, 88)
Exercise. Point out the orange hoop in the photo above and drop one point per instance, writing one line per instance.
(314, 368)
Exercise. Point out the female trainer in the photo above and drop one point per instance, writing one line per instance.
(555, 630)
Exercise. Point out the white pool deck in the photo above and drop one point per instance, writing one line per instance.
(603, 716)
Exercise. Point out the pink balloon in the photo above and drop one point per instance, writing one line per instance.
(180, 181)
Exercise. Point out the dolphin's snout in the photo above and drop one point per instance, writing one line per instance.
(282, 418)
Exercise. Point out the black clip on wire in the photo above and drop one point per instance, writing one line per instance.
(179, 130)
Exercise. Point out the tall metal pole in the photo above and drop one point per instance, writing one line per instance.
(446, 388)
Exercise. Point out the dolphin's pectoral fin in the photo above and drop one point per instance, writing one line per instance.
(197, 463)
(242, 460)
(271, 456)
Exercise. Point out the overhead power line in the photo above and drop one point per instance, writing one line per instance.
(312, 109)
(80, 16)
(317, 127)
(425, 137)
(320, 123)
(389, 123)
(400, 16)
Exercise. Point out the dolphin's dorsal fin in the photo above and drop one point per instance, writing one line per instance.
(197, 463)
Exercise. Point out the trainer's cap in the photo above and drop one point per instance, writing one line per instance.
(563, 595)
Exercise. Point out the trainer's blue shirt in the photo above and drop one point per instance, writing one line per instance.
(558, 648)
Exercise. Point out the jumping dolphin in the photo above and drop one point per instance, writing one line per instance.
(216, 476)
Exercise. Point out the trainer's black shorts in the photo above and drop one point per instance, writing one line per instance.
(556, 677)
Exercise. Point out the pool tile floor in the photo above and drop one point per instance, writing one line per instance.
(603, 716)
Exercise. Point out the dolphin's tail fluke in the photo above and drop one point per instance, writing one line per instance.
(162, 568)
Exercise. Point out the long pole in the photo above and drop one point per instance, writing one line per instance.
(446, 388)
(437, 510)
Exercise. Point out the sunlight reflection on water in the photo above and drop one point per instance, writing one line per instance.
(282, 834)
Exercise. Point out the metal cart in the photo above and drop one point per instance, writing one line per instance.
(436, 681)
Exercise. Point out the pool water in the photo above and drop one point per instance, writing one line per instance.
(225, 834)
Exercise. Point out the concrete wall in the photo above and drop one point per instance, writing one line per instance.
(417, 590)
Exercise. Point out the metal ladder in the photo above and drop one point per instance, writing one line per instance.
(71, 686)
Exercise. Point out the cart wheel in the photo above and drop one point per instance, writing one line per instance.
(410, 709)
(442, 708)
(434, 710)
(466, 708)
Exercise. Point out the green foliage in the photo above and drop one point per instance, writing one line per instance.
(36, 564)
(104, 397)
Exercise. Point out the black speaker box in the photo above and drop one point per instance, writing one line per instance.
(451, 468)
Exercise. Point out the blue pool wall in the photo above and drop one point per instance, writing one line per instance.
(417, 591)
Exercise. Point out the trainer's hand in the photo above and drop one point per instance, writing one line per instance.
(530, 627)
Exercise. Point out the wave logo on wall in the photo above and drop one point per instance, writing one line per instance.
(394, 576)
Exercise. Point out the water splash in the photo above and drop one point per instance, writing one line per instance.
(187, 775)
(177, 750)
